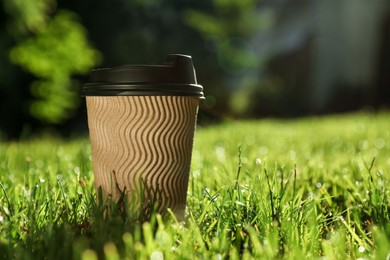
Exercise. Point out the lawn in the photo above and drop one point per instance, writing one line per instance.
(307, 188)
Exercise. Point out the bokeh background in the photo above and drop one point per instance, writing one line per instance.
(255, 59)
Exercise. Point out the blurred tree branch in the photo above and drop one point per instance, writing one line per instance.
(53, 48)
(28, 16)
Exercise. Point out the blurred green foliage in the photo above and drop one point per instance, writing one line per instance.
(28, 15)
(53, 48)
(54, 54)
(231, 28)
(229, 25)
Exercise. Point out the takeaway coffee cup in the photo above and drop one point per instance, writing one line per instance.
(141, 121)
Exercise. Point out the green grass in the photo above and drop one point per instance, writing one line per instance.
(310, 188)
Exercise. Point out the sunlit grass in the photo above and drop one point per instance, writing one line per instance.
(258, 189)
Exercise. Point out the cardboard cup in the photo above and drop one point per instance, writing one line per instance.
(142, 134)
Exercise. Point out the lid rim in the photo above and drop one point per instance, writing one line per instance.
(142, 93)
(139, 84)
(104, 89)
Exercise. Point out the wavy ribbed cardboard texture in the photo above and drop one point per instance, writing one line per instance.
(143, 138)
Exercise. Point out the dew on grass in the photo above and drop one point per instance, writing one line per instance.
(220, 152)
(318, 185)
(76, 170)
(361, 249)
(157, 255)
(195, 174)
(218, 257)
(258, 161)
(244, 160)
(363, 145)
(205, 191)
(41, 180)
(60, 177)
(380, 143)
(27, 192)
(6, 210)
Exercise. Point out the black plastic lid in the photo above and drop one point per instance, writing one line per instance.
(176, 77)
